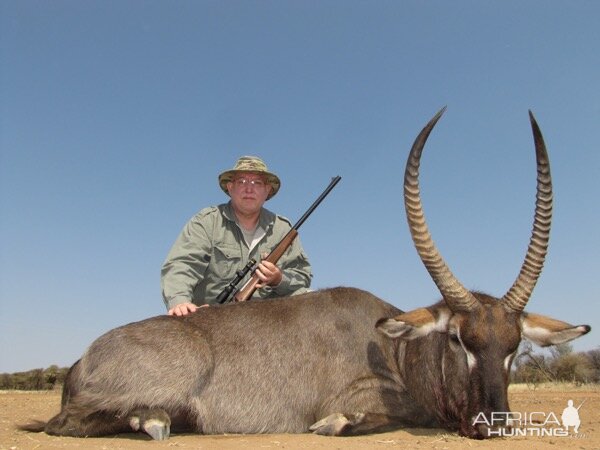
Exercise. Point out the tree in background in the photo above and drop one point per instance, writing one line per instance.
(561, 364)
(594, 359)
(34, 380)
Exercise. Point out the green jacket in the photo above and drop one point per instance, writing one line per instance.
(211, 248)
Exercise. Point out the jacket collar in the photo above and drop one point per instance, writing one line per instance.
(265, 220)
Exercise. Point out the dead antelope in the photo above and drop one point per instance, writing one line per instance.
(336, 362)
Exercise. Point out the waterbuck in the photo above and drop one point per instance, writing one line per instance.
(336, 362)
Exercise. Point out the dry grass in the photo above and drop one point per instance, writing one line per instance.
(555, 386)
(18, 407)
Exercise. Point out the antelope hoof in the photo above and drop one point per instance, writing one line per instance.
(332, 425)
(158, 430)
(155, 422)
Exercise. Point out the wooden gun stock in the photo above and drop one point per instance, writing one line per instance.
(250, 287)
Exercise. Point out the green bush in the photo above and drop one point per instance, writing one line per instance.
(562, 364)
(34, 380)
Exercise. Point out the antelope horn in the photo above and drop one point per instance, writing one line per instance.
(457, 297)
(520, 292)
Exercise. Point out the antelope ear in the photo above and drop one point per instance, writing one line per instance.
(546, 331)
(414, 324)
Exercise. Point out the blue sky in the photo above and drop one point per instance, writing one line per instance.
(117, 116)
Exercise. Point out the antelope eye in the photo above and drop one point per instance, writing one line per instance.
(453, 336)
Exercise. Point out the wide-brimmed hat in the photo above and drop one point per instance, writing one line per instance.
(250, 164)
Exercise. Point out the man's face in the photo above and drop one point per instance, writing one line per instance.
(248, 192)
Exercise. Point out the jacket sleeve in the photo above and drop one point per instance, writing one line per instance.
(187, 261)
(296, 271)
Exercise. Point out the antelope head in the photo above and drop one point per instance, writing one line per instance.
(468, 340)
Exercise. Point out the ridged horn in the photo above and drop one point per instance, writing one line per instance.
(457, 297)
(520, 292)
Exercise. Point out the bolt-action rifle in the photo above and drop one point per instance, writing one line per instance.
(246, 291)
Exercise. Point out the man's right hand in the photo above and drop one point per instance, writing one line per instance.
(182, 309)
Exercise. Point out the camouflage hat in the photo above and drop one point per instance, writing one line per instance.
(250, 164)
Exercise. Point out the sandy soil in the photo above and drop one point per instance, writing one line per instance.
(20, 407)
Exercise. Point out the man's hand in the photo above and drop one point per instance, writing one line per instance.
(183, 309)
(268, 274)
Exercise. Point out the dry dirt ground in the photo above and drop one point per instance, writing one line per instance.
(20, 407)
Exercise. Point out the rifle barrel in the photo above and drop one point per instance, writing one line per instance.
(310, 210)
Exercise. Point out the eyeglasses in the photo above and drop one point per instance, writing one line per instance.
(243, 182)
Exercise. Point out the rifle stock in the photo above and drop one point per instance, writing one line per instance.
(250, 287)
